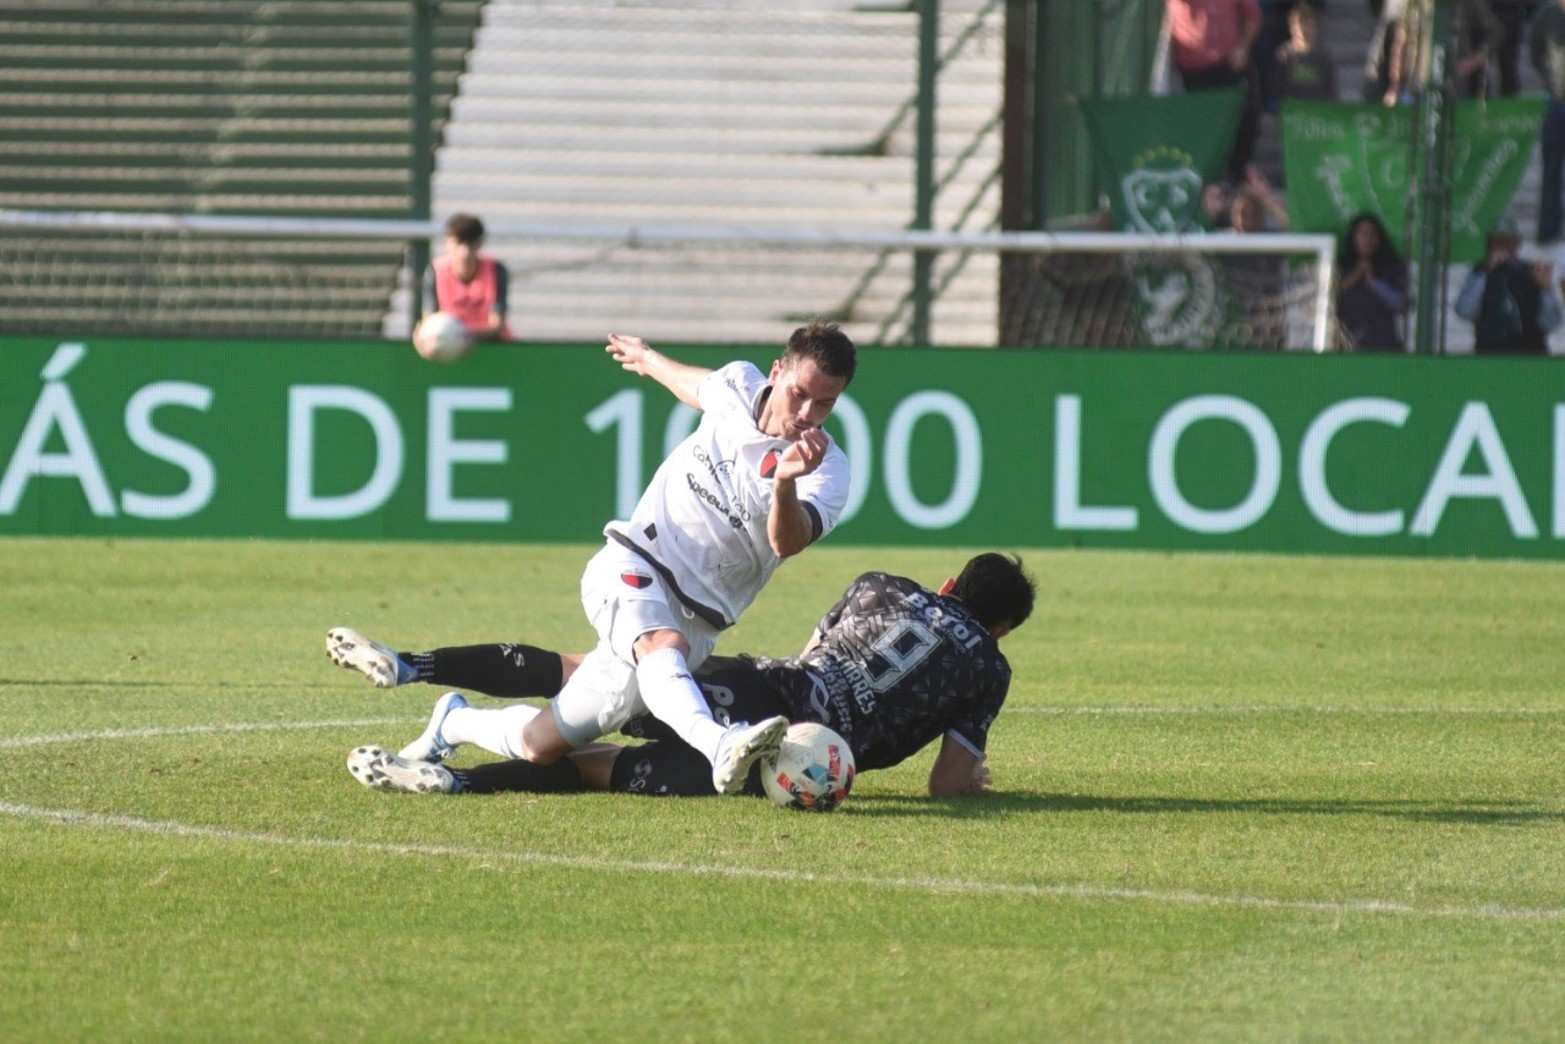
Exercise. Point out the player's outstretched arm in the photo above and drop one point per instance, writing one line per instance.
(957, 772)
(640, 358)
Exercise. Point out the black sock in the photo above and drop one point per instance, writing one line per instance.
(498, 777)
(508, 669)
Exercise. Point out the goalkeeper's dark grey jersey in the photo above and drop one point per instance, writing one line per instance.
(896, 667)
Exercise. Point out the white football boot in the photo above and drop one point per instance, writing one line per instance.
(348, 648)
(431, 745)
(381, 770)
(742, 746)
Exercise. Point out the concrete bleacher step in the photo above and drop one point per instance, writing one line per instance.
(813, 278)
(142, 155)
(388, 207)
(196, 88)
(494, 141)
(41, 129)
(628, 106)
(676, 212)
(696, 190)
(105, 104)
(328, 15)
(206, 178)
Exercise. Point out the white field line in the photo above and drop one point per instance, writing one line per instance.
(934, 885)
(196, 730)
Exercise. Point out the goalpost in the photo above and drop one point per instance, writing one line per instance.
(139, 273)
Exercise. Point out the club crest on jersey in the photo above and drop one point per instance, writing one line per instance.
(769, 464)
(637, 579)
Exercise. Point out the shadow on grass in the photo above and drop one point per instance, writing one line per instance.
(1486, 812)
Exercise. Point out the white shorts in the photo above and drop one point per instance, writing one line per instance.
(624, 599)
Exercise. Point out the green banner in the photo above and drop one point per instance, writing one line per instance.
(1156, 154)
(968, 448)
(1155, 157)
(1342, 159)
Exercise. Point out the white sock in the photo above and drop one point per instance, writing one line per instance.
(496, 729)
(673, 697)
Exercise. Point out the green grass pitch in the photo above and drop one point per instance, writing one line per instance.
(1241, 798)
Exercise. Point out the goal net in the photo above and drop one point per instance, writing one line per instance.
(1119, 290)
(89, 273)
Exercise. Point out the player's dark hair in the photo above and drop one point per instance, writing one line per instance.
(996, 589)
(825, 343)
(465, 228)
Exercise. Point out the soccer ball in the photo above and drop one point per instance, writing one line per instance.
(812, 771)
(442, 337)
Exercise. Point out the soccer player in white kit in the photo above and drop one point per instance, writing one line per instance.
(757, 482)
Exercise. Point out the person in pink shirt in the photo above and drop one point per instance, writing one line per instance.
(468, 284)
(1211, 43)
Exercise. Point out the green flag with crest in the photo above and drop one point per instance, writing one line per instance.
(1155, 157)
(1155, 154)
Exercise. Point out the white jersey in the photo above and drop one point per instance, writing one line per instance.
(702, 520)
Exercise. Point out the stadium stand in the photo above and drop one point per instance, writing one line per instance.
(204, 107)
(722, 114)
(745, 114)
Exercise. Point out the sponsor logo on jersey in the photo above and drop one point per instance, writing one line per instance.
(711, 499)
(769, 464)
(637, 579)
(726, 503)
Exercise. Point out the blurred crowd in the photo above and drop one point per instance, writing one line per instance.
(1274, 51)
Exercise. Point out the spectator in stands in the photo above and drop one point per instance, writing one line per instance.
(1510, 18)
(1217, 199)
(1303, 68)
(1256, 207)
(1211, 42)
(1256, 281)
(1263, 52)
(1253, 206)
(1371, 287)
(1512, 303)
(469, 284)
(1382, 42)
(1408, 57)
(1480, 35)
(1546, 47)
